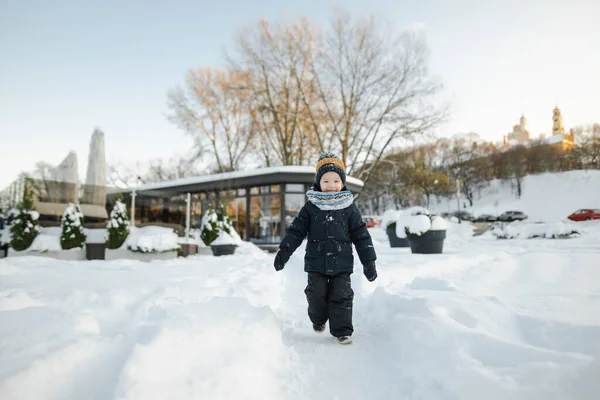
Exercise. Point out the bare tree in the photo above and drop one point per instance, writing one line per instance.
(587, 139)
(375, 88)
(277, 57)
(217, 113)
(175, 168)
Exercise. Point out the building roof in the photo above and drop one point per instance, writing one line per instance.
(239, 179)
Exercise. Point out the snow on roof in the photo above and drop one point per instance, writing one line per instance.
(554, 139)
(294, 169)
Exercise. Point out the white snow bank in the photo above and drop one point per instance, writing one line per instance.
(546, 197)
(525, 230)
(152, 239)
(45, 242)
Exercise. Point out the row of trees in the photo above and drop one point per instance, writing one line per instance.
(292, 90)
(417, 174)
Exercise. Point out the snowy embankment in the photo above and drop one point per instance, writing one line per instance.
(488, 319)
(546, 197)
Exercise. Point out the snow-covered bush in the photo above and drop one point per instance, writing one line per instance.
(556, 230)
(72, 234)
(213, 223)
(25, 226)
(152, 239)
(417, 221)
(118, 226)
(389, 217)
(45, 241)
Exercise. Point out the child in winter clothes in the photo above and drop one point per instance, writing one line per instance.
(332, 223)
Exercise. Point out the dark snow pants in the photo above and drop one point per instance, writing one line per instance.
(330, 297)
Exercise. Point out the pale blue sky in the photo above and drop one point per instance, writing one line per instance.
(68, 66)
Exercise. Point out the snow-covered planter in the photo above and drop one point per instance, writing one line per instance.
(189, 247)
(224, 245)
(47, 244)
(425, 233)
(72, 235)
(74, 254)
(388, 222)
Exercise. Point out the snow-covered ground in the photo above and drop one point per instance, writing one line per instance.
(488, 319)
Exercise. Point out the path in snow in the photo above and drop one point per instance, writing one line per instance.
(487, 319)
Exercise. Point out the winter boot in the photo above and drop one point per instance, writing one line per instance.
(343, 339)
(319, 328)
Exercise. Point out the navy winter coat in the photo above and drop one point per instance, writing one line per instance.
(330, 237)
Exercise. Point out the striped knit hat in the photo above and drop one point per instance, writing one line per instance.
(329, 162)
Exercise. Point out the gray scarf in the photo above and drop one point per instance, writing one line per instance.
(330, 201)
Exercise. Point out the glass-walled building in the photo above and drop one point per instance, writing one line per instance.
(261, 203)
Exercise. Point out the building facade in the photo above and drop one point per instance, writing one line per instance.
(261, 203)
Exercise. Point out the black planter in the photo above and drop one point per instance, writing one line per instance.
(4, 251)
(395, 241)
(223, 249)
(95, 251)
(189, 249)
(431, 242)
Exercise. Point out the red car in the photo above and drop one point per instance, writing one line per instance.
(370, 222)
(585, 214)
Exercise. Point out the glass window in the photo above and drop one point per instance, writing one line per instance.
(226, 195)
(275, 189)
(236, 210)
(265, 219)
(293, 204)
(294, 187)
(254, 190)
(241, 192)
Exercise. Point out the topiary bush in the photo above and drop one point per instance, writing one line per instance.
(72, 234)
(118, 226)
(214, 222)
(25, 226)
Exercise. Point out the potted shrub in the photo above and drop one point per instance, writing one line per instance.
(425, 233)
(25, 226)
(216, 223)
(72, 234)
(388, 221)
(118, 230)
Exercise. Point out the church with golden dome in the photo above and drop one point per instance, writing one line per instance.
(520, 134)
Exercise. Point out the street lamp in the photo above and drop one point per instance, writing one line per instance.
(455, 172)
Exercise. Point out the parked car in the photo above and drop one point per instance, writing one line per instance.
(369, 222)
(463, 215)
(510, 216)
(486, 218)
(585, 214)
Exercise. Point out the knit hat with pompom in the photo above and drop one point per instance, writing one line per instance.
(329, 162)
